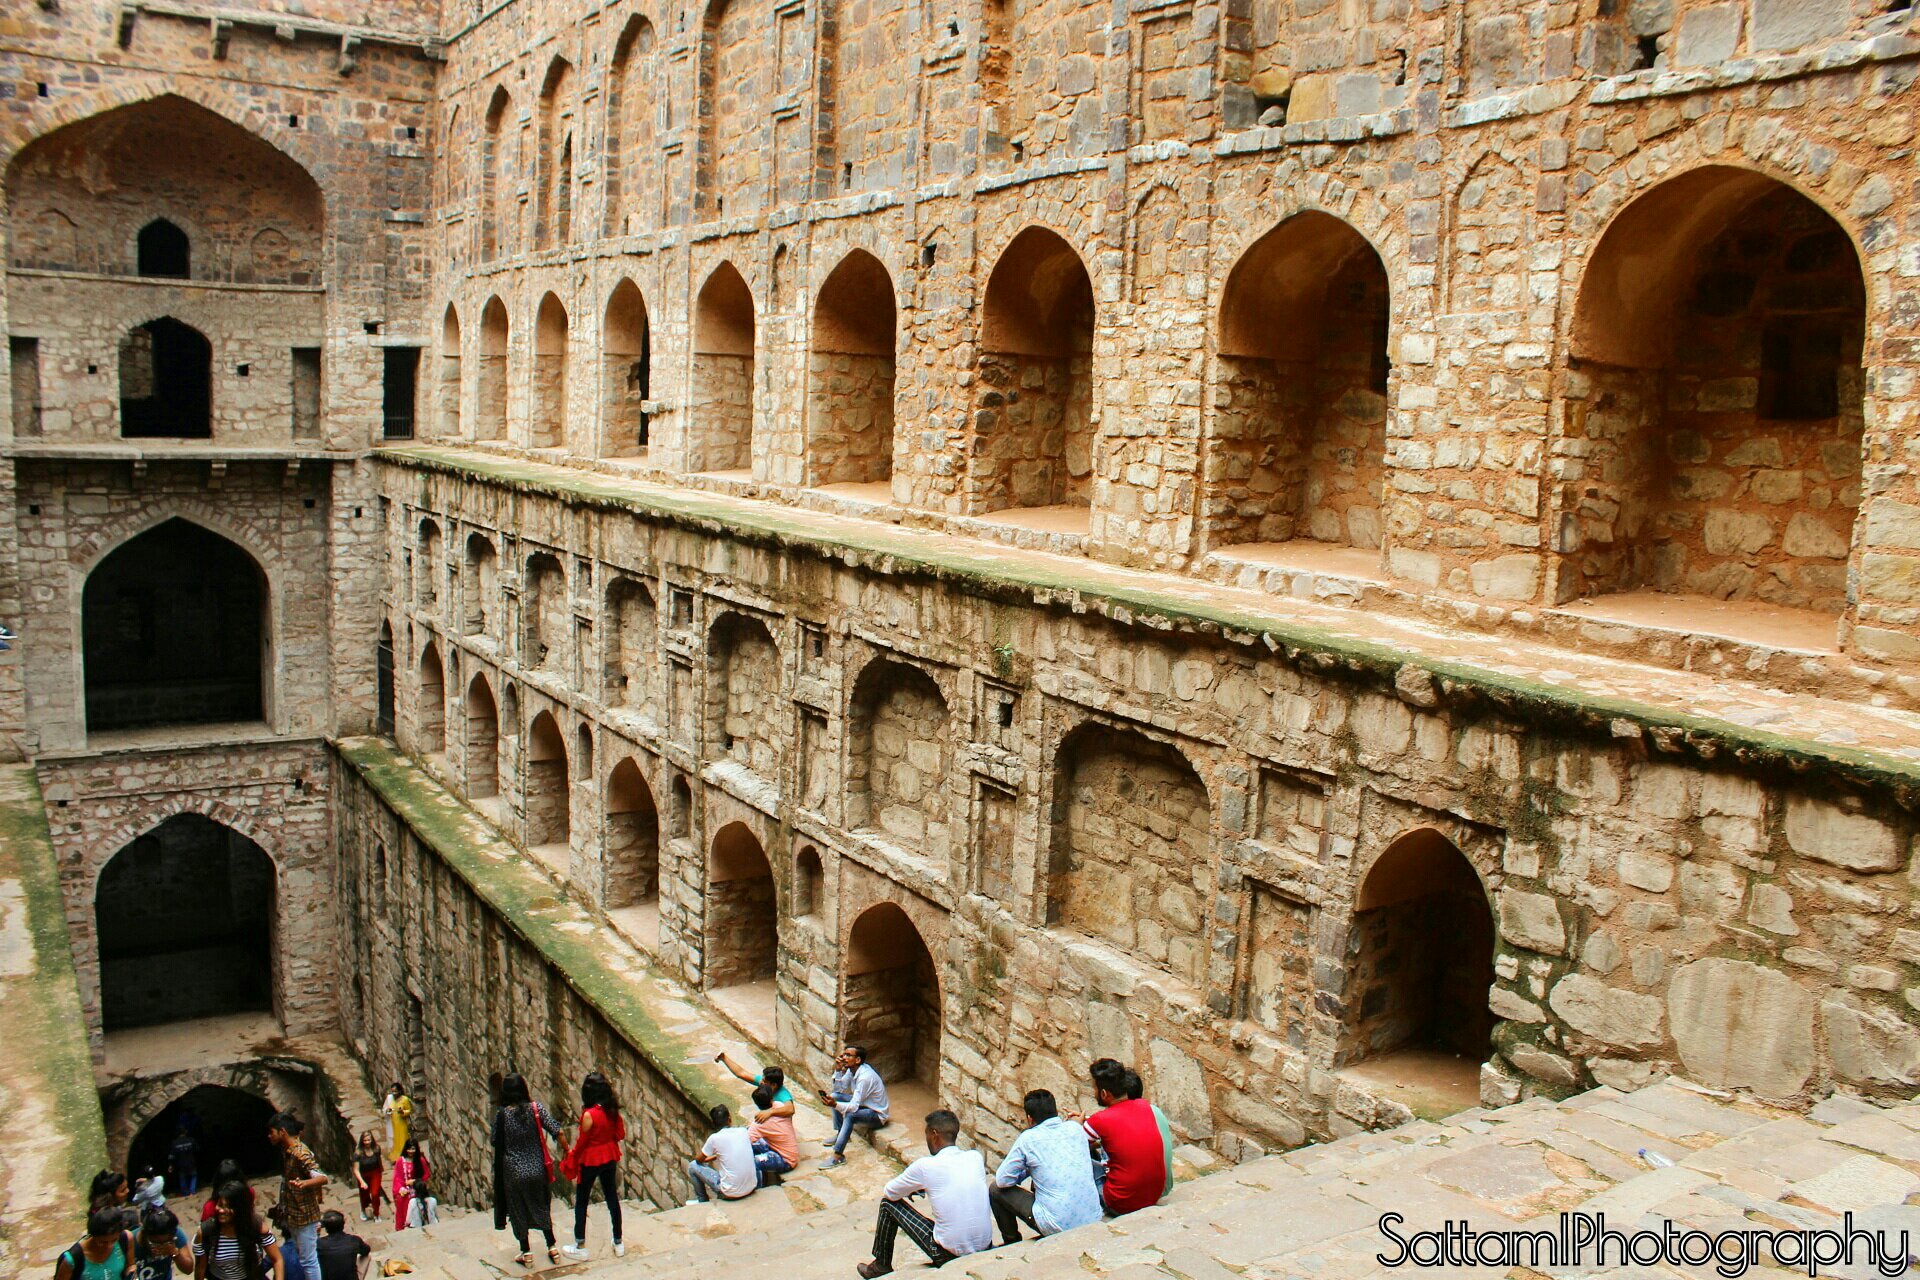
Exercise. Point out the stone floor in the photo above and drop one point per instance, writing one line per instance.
(1669, 1152)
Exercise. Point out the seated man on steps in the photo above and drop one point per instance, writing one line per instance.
(776, 1148)
(1127, 1139)
(725, 1164)
(1053, 1154)
(859, 1097)
(955, 1183)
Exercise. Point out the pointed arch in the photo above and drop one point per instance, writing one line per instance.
(850, 374)
(633, 838)
(1033, 445)
(890, 996)
(548, 803)
(490, 387)
(1300, 432)
(450, 373)
(482, 743)
(553, 175)
(430, 715)
(626, 372)
(498, 177)
(630, 129)
(549, 392)
(724, 384)
(175, 629)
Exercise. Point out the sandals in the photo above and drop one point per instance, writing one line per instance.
(524, 1260)
(553, 1254)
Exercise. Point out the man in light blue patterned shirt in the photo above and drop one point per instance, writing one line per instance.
(1053, 1155)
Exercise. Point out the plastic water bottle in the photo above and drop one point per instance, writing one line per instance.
(1655, 1160)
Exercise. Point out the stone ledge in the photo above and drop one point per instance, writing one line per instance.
(1163, 601)
(564, 933)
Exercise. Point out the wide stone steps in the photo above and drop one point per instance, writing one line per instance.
(1315, 1211)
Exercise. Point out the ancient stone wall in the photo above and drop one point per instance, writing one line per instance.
(274, 793)
(1226, 806)
(440, 992)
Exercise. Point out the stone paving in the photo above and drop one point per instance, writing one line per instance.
(1669, 1152)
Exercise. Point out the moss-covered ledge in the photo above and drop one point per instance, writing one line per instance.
(606, 972)
(1420, 671)
(52, 1138)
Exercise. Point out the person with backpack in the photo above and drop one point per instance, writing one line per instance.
(105, 1254)
(161, 1248)
(523, 1168)
(236, 1244)
(595, 1157)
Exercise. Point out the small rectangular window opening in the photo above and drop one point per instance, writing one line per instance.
(399, 382)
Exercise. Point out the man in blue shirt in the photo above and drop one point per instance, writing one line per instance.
(1053, 1155)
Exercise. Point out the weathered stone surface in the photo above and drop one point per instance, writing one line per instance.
(1870, 1045)
(1611, 1014)
(1532, 920)
(1787, 24)
(1738, 1025)
(1832, 834)
(1180, 1089)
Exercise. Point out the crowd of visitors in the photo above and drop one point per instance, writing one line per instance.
(1063, 1171)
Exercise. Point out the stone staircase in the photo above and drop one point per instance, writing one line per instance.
(1314, 1211)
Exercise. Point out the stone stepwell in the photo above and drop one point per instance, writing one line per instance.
(1670, 1152)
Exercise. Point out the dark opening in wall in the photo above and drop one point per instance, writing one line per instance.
(383, 681)
(24, 361)
(226, 1124)
(174, 632)
(184, 918)
(1800, 359)
(166, 382)
(306, 393)
(164, 251)
(400, 374)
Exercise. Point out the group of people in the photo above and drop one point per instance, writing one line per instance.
(133, 1235)
(1064, 1170)
(524, 1167)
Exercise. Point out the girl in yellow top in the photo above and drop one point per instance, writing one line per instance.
(397, 1108)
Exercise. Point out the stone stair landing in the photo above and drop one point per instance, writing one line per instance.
(1315, 1211)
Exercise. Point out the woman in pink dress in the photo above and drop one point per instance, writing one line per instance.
(410, 1174)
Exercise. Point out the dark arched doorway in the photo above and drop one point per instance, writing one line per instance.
(890, 996)
(184, 918)
(173, 626)
(225, 1123)
(162, 249)
(166, 382)
(1422, 949)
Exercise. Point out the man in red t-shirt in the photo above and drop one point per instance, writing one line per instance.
(1125, 1134)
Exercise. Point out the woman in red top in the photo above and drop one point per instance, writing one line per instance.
(596, 1158)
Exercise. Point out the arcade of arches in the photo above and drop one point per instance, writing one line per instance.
(971, 543)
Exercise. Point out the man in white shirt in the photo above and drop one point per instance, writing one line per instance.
(859, 1098)
(725, 1164)
(955, 1183)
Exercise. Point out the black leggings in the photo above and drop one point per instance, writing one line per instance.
(608, 1176)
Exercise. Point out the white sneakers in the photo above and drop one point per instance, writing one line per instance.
(619, 1248)
(578, 1252)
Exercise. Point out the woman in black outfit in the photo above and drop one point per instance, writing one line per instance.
(523, 1167)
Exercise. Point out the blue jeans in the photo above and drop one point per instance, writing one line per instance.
(706, 1180)
(865, 1116)
(767, 1160)
(306, 1246)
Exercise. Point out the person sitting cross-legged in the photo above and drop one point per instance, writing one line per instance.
(859, 1097)
(1052, 1154)
(955, 1183)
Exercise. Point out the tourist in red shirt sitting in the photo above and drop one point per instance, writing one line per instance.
(1125, 1136)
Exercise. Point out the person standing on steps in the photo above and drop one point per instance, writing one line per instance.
(955, 1183)
(595, 1158)
(862, 1102)
(523, 1168)
(183, 1162)
(236, 1244)
(398, 1109)
(1052, 1154)
(105, 1254)
(301, 1185)
(367, 1174)
(411, 1173)
(725, 1164)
